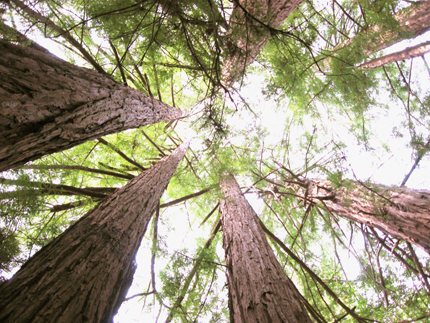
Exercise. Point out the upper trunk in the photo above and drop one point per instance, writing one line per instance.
(48, 105)
(414, 21)
(407, 53)
(84, 274)
(259, 289)
(250, 25)
(401, 212)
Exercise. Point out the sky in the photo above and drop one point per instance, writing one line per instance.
(388, 169)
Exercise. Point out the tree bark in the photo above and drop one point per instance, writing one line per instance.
(84, 274)
(250, 30)
(259, 289)
(65, 34)
(409, 52)
(12, 35)
(400, 212)
(48, 105)
(414, 21)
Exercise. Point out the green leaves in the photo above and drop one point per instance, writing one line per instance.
(334, 117)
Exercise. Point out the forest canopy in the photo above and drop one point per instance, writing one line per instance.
(324, 125)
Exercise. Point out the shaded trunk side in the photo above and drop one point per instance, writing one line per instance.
(401, 212)
(259, 289)
(48, 105)
(84, 274)
(249, 32)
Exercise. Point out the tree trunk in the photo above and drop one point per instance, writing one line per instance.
(48, 105)
(250, 25)
(259, 289)
(84, 274)
(409, 52)
(37, 17)
(414, 21)
(401, 212)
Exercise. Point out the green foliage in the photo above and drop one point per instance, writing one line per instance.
(329, 109)
(9, 249)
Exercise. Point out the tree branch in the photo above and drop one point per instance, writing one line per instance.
(310, 272)
(65, 34)
(83, 168)
(131, 161)
(184, 198)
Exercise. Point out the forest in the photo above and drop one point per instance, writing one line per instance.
(215, 161)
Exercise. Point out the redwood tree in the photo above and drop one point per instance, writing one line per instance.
(259, 289)
(398, 211)
(48, 105)
(84, 274)
(401, 212)
(251, 27)
(407, 53)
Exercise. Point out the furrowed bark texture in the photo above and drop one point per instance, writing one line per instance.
(401, 212)
(259, 289)
(248, 33)
(84, 274)
(48, 105)
(409, 52)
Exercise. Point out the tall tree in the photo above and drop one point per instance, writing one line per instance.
(180, 51)
(252, 24)
(49, 105)
(407, 53)
(401, 212)
(84, 274)
(259, 289)
(412, 21)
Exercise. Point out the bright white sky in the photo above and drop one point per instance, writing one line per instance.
(388, 169)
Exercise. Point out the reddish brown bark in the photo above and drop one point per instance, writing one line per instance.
(259, 289)
(249, 32)
(48, 105)
(407, 53)
(414, 21)
(401, 212)
(35, 16)
(84, 274)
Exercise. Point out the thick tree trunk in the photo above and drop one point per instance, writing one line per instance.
(407, 53)
(48, 105)
(12, 35)
(259, 289)
(401, 212)
(250, 25)
(84, 274)
(37, 17)
(414, 21)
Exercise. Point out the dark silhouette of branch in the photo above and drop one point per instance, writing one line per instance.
(184, 198)
(119, 152)
(310, 272)
(65, 34)
(82, 168)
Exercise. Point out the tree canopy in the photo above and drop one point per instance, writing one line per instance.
(273, 92)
